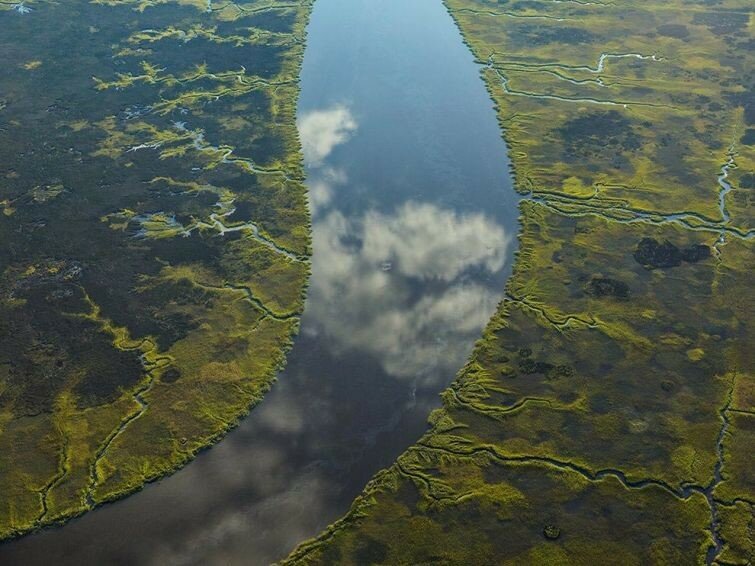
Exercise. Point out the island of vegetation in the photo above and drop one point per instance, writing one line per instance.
(607, 415)
(154, 237)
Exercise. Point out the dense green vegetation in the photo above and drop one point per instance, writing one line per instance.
(607, 415)
(154, 237)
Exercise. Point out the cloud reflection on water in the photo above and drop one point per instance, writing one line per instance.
(394, 285)
(400, 289)
(322, 130)
(321, 188)
(427, 242)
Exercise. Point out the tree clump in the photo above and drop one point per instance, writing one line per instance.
(606, 287)
(551, 532)
(653, 254)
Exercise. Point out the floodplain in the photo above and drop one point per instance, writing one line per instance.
(155, 238)
(606, 415)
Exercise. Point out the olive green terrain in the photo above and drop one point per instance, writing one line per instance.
(607, 415)
(154, 237)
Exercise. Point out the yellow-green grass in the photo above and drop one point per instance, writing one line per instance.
(155, 239)
(605, 415)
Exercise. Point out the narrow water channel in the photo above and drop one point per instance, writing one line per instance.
(414, 227)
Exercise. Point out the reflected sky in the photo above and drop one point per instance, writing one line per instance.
(401, 287)
(322, 130)
(413, 218)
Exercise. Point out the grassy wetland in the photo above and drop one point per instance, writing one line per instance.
(607, 414)
(155, 237)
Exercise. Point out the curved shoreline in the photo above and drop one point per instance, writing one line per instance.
(256, 387)
(348, 402)
(415, 511)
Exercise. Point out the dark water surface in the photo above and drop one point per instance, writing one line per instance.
(414, 225)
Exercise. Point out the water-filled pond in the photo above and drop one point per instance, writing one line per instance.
(414, 226)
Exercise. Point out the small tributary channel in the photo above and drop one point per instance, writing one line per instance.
(414, 223)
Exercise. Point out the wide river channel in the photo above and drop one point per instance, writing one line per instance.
(414, 226)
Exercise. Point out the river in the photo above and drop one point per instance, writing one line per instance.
(414, 227)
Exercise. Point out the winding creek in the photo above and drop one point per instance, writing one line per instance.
(414, 226)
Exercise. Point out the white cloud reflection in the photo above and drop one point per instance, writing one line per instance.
(426, 242)
(367, 272)
(321, 188)
(322, 130)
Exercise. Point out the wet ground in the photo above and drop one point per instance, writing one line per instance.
(414, 226)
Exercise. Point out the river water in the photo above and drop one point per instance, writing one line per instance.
(414, 225)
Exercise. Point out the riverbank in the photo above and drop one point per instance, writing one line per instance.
(413, 224)
(130, 345)
(605, 414)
